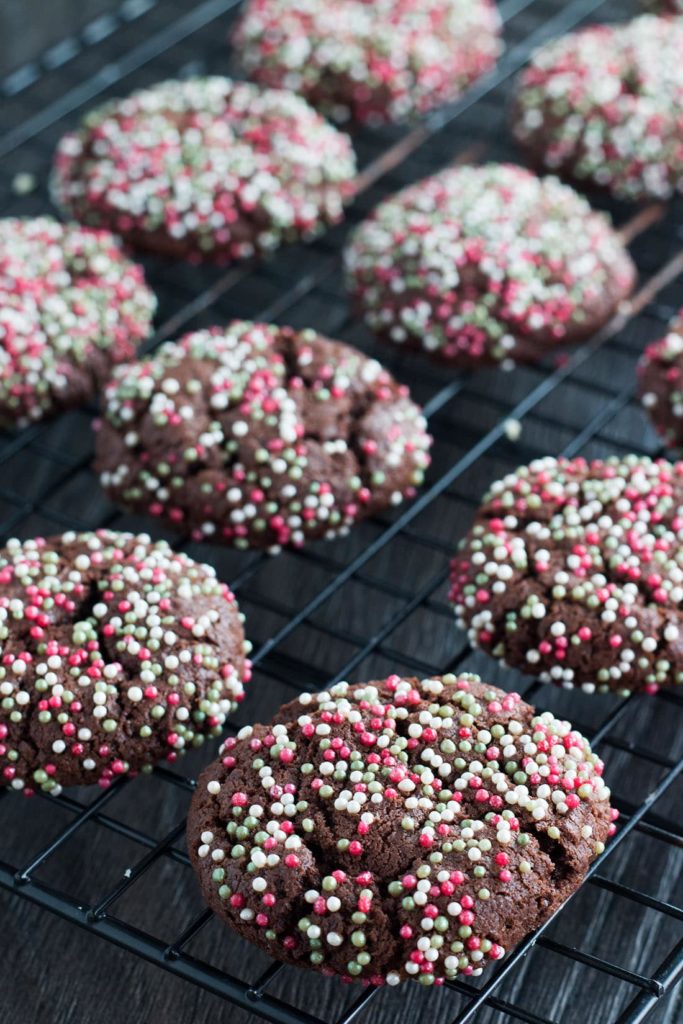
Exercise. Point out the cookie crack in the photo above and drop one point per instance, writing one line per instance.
(92, 694)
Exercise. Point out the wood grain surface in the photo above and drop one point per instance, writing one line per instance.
(51, 970)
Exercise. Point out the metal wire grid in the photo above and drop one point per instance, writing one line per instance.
(585, 405)
(71, 46)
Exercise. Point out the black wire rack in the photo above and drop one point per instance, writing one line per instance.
(113, 861)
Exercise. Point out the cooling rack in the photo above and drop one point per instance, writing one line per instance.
(113, 862)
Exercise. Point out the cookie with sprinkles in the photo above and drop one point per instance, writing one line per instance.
(660, 374)
(398, 829)
(71, 307)
(115, 652)
(602, 106)
(487, 265)
(205, 169)
(388, 60)
(572, 573)
(260, 436)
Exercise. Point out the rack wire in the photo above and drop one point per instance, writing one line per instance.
(373, 602)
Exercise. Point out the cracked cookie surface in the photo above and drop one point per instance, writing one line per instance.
(387, 60)
(115, 652)
(573, 572)
(487, 265)
(397, 829)
(205, 168)
(602, 106)
(71, 307)
(260, 436)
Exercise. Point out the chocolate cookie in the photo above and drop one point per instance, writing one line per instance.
(487, 264)
(661, 384)
(603, 106)
(258, 436)
(373, 62)
(571, 572)
(71, 306)
(115, 653)
(206, 169)
(397, 829)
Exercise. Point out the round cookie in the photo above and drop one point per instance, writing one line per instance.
(260, 436)
(115, 653)
(205, 168)
(602, 106)
(661, 384)
(486, 265)
(572, 572)
(71, 307)
(397, 829)
(371, 62)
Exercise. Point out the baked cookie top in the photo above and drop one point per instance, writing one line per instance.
(115, 652)
(371, 62)
(260, 436)
(397, 829)
(604, 105)
(205, 168)
(573, 572)
(487, 264)
(71, 306)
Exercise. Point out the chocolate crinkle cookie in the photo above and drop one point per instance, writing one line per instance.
(572, 572)
(205, 168)
(372, 62)
(71, 307)
(603, 106)
(260, 436)
(661, 384)
(487, 265)
(115, 652)
(398, 829)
